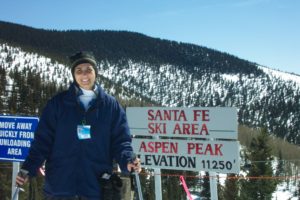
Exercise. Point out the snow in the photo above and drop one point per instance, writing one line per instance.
(284, 192)
(282, 75)
(43, 65)
(230, 77)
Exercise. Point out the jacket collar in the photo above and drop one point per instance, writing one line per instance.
(74, 92)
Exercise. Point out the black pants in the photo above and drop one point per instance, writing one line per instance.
(111, 188)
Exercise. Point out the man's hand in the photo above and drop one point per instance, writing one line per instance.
(22, 177)
(134, 166)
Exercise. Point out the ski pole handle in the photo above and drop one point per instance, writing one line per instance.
(23, 173)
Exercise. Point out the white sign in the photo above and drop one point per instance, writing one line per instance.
(194, 155)
(216, 122)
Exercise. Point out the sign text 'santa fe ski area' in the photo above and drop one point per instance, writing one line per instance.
(198, 133)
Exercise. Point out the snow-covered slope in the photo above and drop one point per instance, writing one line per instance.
(15, 59)
(270, 99)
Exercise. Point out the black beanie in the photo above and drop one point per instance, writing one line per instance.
(83, 57)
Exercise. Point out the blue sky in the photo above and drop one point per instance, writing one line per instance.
(263, 31)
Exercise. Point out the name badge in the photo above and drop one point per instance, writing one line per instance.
(84, 132)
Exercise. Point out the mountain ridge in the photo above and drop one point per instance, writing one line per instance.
(119, 45)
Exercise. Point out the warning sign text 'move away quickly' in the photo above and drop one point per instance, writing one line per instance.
(16, 134)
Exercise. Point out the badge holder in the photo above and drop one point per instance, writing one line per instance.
(84, 132)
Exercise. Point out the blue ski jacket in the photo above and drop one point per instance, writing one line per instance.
(73, 166)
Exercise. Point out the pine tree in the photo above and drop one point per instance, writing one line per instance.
(280, 166)
(261, 188)
(205, 193)
(231, 188)
(2, 88)
(5, 180)
(169, 183)
(148, 186)
(220, 190)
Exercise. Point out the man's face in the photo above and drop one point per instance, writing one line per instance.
(85, 76)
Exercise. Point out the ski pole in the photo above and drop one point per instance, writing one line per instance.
(18, 189)
(138, 183)
(137, 180)
(24, 174)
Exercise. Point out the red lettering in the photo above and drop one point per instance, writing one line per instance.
(209, 150)
(151, 128)
(190, 129)
(167, 115)
(159, 128)
(203, 114)
(174, 147)
(143, 147)
(182, 115)
(204, 149)
(150, 115)
(199, 148)
(175, 115)
(191, 146)
(165, 146)
(151, 147)
(157, 147)
(177, 129)
(218, 149)
(194, 129)
(158, 115)
(204, 129)
(186, 129)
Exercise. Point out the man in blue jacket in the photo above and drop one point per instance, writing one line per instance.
(80, 132)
